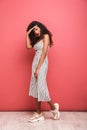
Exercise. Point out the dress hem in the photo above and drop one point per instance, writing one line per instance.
(41, 100)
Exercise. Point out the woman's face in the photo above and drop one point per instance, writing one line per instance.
(37, 31)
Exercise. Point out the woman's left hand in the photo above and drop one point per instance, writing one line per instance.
(36, 73)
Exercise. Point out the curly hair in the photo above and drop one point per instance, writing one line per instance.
(44, 30)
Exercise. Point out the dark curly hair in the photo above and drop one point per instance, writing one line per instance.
(44, 30)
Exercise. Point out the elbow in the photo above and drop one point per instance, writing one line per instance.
(28, 47)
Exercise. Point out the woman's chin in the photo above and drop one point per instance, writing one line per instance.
(37, 35)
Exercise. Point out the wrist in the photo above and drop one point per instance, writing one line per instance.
(37, 69)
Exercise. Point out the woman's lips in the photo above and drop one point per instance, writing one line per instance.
(37, 34)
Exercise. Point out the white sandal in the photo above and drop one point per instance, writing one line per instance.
(56, 113)
(36, 117)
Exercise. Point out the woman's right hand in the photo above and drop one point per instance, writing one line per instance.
(31, 29)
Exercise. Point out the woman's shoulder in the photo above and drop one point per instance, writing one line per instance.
(46, 38)
(45, 35)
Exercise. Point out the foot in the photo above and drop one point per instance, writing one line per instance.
(55, 112)
(36, 117)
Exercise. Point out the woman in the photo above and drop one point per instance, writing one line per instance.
(40, 38)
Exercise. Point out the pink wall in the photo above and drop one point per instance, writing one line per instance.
(66, 78)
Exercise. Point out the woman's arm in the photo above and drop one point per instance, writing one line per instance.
(46, 41)
(28, 41)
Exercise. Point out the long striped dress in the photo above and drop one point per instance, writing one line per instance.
(38, 87)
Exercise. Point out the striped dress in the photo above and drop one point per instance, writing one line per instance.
(38, 87)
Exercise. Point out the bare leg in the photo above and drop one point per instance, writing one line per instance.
(51, 105)
(38, 105)
(54, 110)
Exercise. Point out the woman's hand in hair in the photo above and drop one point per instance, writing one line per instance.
(29, 31)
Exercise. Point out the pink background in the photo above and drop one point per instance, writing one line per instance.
(67, 77)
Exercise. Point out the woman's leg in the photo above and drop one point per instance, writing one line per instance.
(51, 105)
(37, 116)
(54, 109)
(38, 105)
